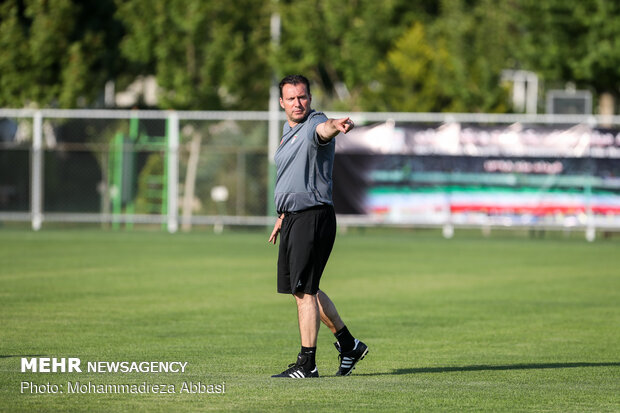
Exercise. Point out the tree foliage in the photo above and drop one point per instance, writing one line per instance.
(204, 54)
(338, 44)
(55, 51)
(393, 55)
(573, 42)
(453, 63)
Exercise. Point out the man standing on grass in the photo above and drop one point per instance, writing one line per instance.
(307, 224)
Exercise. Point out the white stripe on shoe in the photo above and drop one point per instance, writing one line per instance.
(347, 361)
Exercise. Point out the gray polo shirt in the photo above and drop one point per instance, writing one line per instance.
(304, 164)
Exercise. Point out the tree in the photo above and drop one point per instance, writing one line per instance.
(338, 44)
(452, 64)
(55, 52)
(359, 54)
(205, 54)
(410, 78)
(573, 42)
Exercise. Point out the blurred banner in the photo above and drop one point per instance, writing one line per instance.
(473, 174)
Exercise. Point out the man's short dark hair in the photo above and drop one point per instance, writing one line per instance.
(295, 80)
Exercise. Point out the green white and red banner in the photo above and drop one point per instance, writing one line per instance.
(470, 174)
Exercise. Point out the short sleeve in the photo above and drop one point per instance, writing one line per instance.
(315, 119)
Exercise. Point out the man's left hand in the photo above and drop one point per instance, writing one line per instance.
(344, 125)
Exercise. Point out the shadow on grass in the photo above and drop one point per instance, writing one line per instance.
(532, 366)
(2, 356)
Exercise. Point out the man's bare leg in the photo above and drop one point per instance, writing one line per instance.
(309, 322)
(309, 318)
(351, 350)
(329, 314)
(331, 318)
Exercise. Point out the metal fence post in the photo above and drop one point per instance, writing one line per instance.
(36, 186)
(274, 113)
(173, 172)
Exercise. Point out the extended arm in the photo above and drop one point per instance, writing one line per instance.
(332, 127)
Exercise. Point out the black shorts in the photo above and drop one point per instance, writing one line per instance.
(306, 240)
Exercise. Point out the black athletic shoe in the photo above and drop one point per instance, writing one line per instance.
(298, 370)
(349, 359)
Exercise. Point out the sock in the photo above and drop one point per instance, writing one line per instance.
(345, 339)
(309, 353)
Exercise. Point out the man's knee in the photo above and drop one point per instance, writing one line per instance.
(302, 297)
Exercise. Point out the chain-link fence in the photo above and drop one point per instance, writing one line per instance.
(122, 168)
(115, 168)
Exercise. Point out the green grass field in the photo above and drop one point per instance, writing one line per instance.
(505, 323)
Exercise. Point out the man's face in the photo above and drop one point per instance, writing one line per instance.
(295, 101)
